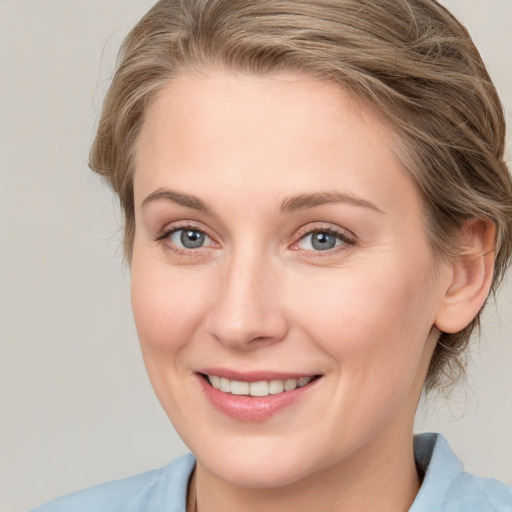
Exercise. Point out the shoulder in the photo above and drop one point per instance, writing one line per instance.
(447, 487)
(160, 489)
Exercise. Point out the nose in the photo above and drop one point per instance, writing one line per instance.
(248, 312)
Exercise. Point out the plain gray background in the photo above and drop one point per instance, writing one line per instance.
(76, 406)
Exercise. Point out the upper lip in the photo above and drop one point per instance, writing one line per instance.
(254, 376)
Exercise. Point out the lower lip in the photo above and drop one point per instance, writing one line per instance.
(252, 408)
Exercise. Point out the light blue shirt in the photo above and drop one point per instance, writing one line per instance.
(446, 487)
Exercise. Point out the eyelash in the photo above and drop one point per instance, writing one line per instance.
(166, 233)
(302, 234)
(346, 240)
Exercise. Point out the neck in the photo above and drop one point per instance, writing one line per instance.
(383, 475)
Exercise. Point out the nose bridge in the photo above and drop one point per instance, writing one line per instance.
(248, 308)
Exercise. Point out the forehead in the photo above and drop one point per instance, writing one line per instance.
(265, 103)
(281, 134)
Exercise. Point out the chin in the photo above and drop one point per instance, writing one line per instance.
(258, 462)
(268, 473)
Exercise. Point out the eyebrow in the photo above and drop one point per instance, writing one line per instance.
(289, 205)
(305, 201)
(177, 197)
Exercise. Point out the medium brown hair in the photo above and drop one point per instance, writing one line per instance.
(411, 60)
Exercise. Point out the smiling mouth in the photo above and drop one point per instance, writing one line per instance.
(260, 388)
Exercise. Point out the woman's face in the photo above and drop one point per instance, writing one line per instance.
(279, 251)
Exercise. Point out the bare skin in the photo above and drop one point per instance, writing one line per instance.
(239, 181)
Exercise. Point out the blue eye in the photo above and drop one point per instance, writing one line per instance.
(189, 238)
(323, 240)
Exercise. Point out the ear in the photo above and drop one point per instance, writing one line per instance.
(470, 277)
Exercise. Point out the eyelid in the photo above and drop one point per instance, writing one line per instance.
(346, 236)
(171, 228)
(181, 224)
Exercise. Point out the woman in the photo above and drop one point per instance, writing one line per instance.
(316, 209)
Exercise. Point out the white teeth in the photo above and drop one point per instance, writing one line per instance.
(290, 384)
(215, 381)
(258, 388)
(239, 388)
(225, 385)
(303, 381)
(261, 388)
(275, 387)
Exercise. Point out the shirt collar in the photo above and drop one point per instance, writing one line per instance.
(440, 467)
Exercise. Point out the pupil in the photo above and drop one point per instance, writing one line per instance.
(192, 239)
(323, 241)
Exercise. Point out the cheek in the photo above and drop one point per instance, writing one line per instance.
(370, 319)
(168, 308)
(373, 327)
(167, 305)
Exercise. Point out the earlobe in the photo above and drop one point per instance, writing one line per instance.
(471, 277)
